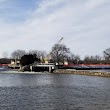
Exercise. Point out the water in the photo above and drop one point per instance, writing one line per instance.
(54, 92)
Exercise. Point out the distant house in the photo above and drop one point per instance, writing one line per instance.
(15, 64)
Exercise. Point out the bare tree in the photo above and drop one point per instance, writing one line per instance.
(5, 54)
(39, 54)
(43, 55)
(92, 59)
(71, 58)
(75, 59)
(107, 54)
(33, 52)
(17, 54)
(59, 53)
(98, 59)
(86, 60)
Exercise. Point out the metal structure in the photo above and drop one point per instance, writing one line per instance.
(60, 40)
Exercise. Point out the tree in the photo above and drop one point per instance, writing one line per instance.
(59, 53)
(98, 59)
(75, 59)
(86, 60)
(17, 54)
(5, 54)
(28, 59)
(5, 61)
(92, 59)
(71, 58)
(107, 55)
(39, 54)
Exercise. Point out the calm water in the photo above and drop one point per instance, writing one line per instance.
(54, 92)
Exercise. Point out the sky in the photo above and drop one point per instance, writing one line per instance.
(39, 24)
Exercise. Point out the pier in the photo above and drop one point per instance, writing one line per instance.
(40, 67)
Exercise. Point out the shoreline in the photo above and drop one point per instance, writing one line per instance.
(62, 71)
(82, 72)
(21, 72)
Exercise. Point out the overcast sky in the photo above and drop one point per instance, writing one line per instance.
(39, 24)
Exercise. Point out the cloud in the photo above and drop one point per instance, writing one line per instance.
(84, 26)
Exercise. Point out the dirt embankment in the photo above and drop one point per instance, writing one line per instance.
(82, 72)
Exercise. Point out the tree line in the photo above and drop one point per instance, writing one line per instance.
(59, 53)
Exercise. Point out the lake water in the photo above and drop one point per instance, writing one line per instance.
(54, 92)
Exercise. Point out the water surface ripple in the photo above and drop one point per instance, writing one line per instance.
(54, 92)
